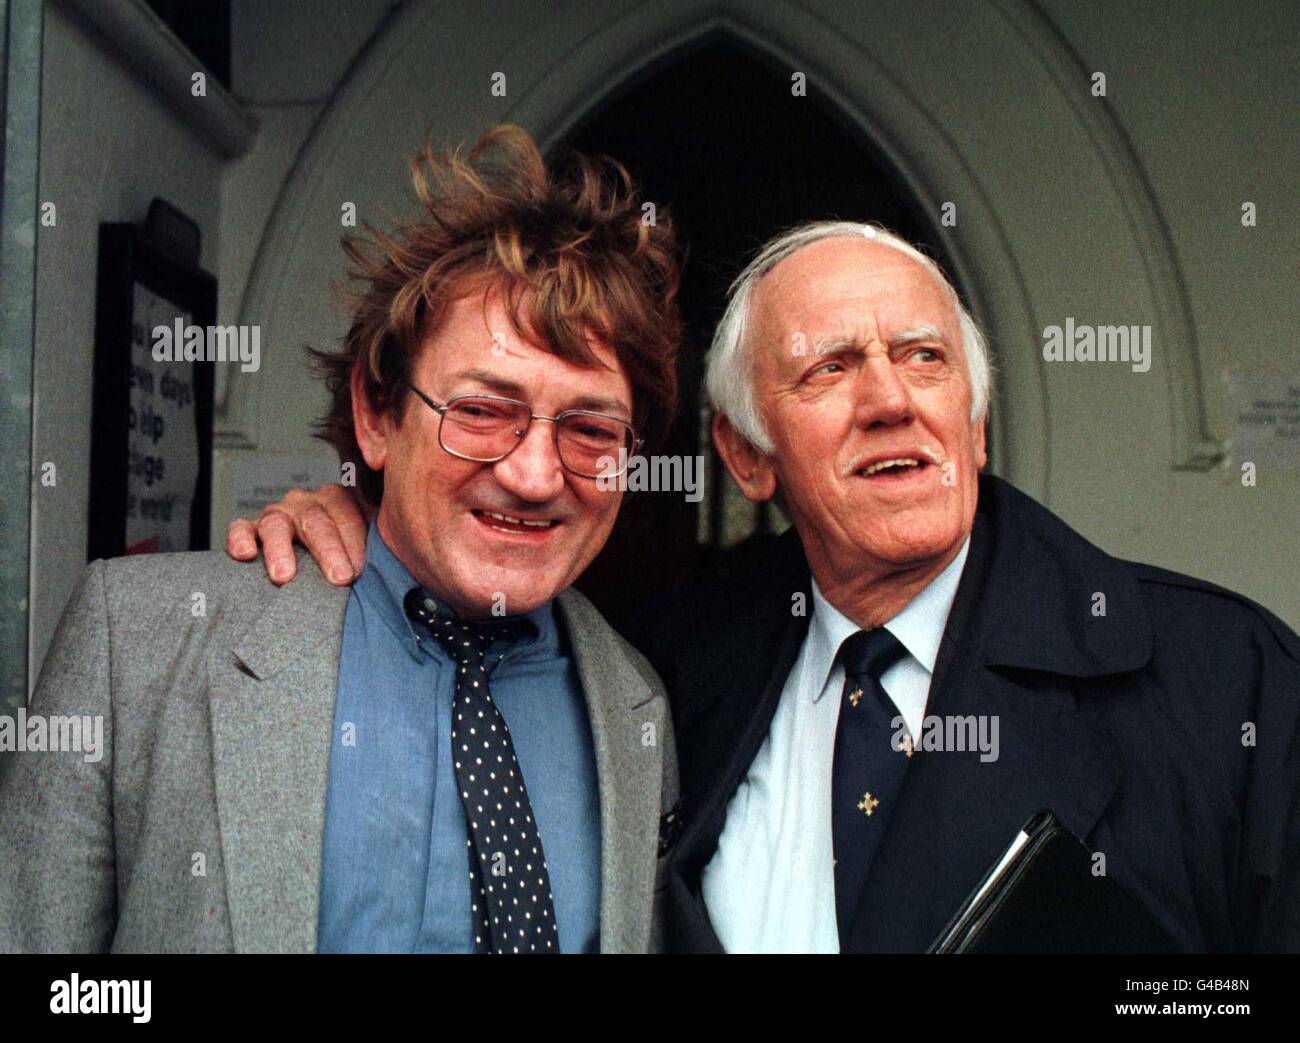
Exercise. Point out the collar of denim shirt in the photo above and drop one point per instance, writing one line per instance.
(383, 586)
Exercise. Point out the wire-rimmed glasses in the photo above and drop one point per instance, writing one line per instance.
(487, 428)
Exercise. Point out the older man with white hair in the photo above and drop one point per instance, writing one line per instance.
(871, 710)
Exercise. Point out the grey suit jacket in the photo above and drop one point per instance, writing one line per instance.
(200, 828)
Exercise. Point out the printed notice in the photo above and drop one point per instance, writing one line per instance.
(163, 467)
(1266, 419)
(259, 479)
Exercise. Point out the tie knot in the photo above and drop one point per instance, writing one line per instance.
(466, 640)
(869, 653)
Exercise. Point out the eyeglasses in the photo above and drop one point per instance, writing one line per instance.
(486, 428)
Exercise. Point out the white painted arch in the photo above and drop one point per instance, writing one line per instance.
(1055, 217)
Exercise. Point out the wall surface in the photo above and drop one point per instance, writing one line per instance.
(108, 146)
(1209, 97)
(287, 63)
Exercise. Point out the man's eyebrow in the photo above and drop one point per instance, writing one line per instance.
(509, 388)
(492, 380)
(914, 334)
(832, 342)
(601, 405)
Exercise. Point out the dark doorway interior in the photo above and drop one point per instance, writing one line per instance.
(717, 136)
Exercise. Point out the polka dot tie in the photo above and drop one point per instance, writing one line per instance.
(510, 888)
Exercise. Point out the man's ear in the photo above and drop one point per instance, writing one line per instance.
(371, 428)
(980, 443)
(753, 471)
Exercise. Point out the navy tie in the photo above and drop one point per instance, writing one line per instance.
(868, 770)
(510, 888)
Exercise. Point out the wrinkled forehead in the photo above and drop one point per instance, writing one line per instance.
(851, 288)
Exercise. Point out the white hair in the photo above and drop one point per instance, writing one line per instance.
(729, 373)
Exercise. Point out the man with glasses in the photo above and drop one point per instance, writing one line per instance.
(456, 754)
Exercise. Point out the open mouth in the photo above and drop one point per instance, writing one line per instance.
(894, 469)
(515, 526)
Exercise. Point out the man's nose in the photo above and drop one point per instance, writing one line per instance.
(880, 395)
(533, 470)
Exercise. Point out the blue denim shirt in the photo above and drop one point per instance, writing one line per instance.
(395, 866)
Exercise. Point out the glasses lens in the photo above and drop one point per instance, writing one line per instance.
(590, 444)
(482, 428)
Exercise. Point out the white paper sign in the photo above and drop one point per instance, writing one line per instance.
(261, 478)
(1266, 419)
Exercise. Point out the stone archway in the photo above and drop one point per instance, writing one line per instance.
(1054, 215)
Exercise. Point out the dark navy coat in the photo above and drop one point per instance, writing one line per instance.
(1164, 734)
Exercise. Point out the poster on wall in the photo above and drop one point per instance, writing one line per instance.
(151, 427)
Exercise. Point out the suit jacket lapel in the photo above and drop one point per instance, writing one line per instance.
(271, 701)
(629, 766)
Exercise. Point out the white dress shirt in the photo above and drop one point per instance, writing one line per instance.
(770, 886)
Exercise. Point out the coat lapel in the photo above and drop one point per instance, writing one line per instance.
(733, 734)
(1020, 633)
(271, 701)
(731, 669)
(628, 737)
(957, 814)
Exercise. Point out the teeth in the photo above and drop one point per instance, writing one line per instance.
(542, 524)
(901, 461)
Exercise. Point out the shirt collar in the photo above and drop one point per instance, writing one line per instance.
(919, 626)
(385, 582)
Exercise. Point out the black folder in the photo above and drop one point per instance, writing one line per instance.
(1042, 896)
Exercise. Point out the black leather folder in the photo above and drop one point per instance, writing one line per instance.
(1042, 896)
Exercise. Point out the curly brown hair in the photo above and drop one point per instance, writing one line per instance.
(568, 245)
